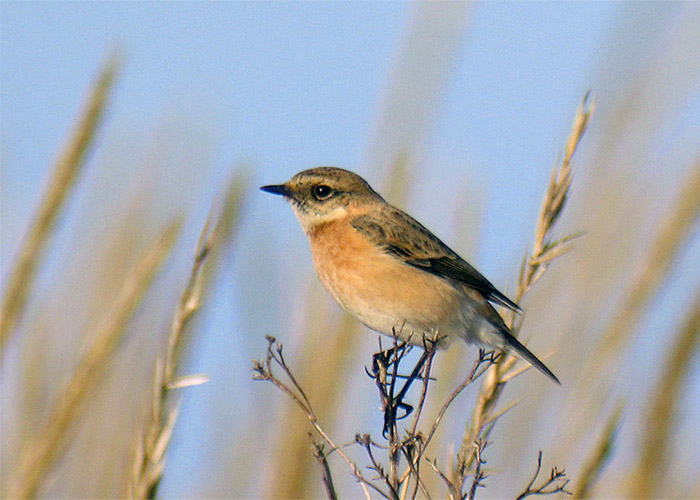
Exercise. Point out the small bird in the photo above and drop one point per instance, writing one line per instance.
(390, 272)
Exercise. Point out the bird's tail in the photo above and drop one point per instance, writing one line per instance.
(512, 343)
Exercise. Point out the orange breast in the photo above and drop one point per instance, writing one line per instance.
(376, 287)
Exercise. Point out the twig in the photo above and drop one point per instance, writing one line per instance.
(394, 404)
(473, 375)
(479, 475)
(455, 494)
(557, 480)
(413, 470)
(424, 391)
(366, 442)
(263, 371)
(326, 477)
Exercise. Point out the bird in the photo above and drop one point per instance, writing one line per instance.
(389, 271)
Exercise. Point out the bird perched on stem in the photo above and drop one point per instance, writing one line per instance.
(390, 272)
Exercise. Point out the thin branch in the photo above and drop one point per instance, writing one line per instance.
(365, 441)
(479, 475)
(263, 371)
(455, 494)
(414, 471)
(424, 391)
(556, 482)
(477, 370)
(326, 477)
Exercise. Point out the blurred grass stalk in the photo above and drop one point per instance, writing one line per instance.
(657, 432)
(673, 233)
(324, 363)
(60, 184)
(149, 456)
(600, 456)
(39, 454)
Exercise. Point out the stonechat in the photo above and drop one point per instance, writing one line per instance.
(390, 272)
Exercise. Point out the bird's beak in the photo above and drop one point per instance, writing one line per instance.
(280, 189)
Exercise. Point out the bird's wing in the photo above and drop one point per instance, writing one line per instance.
(405, 238)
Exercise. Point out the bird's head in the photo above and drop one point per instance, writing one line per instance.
(325, 194)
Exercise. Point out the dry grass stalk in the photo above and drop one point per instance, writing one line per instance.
(38, 455)
(644, 284)
(673, 233)
(545, 249)
(63, 177)
(654, 462)
(599, 458)
(149, 455)
(190, 302)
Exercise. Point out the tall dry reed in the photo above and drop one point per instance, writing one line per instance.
(59, 187)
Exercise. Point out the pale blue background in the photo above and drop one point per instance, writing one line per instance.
(291, 85)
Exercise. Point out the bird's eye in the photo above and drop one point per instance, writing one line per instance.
(322, 192)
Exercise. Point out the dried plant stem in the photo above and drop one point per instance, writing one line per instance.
(48, 444)
(326, 477)
(150, 453)
(544, 250)
(335, 349)
(653, 460)
(556, 482)
(263, 371)
(424, 391)
(62, 180)
(479, 474)
(453, 491)
(413, 470)
(473, 375)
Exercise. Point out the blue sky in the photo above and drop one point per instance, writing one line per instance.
(289, 85)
